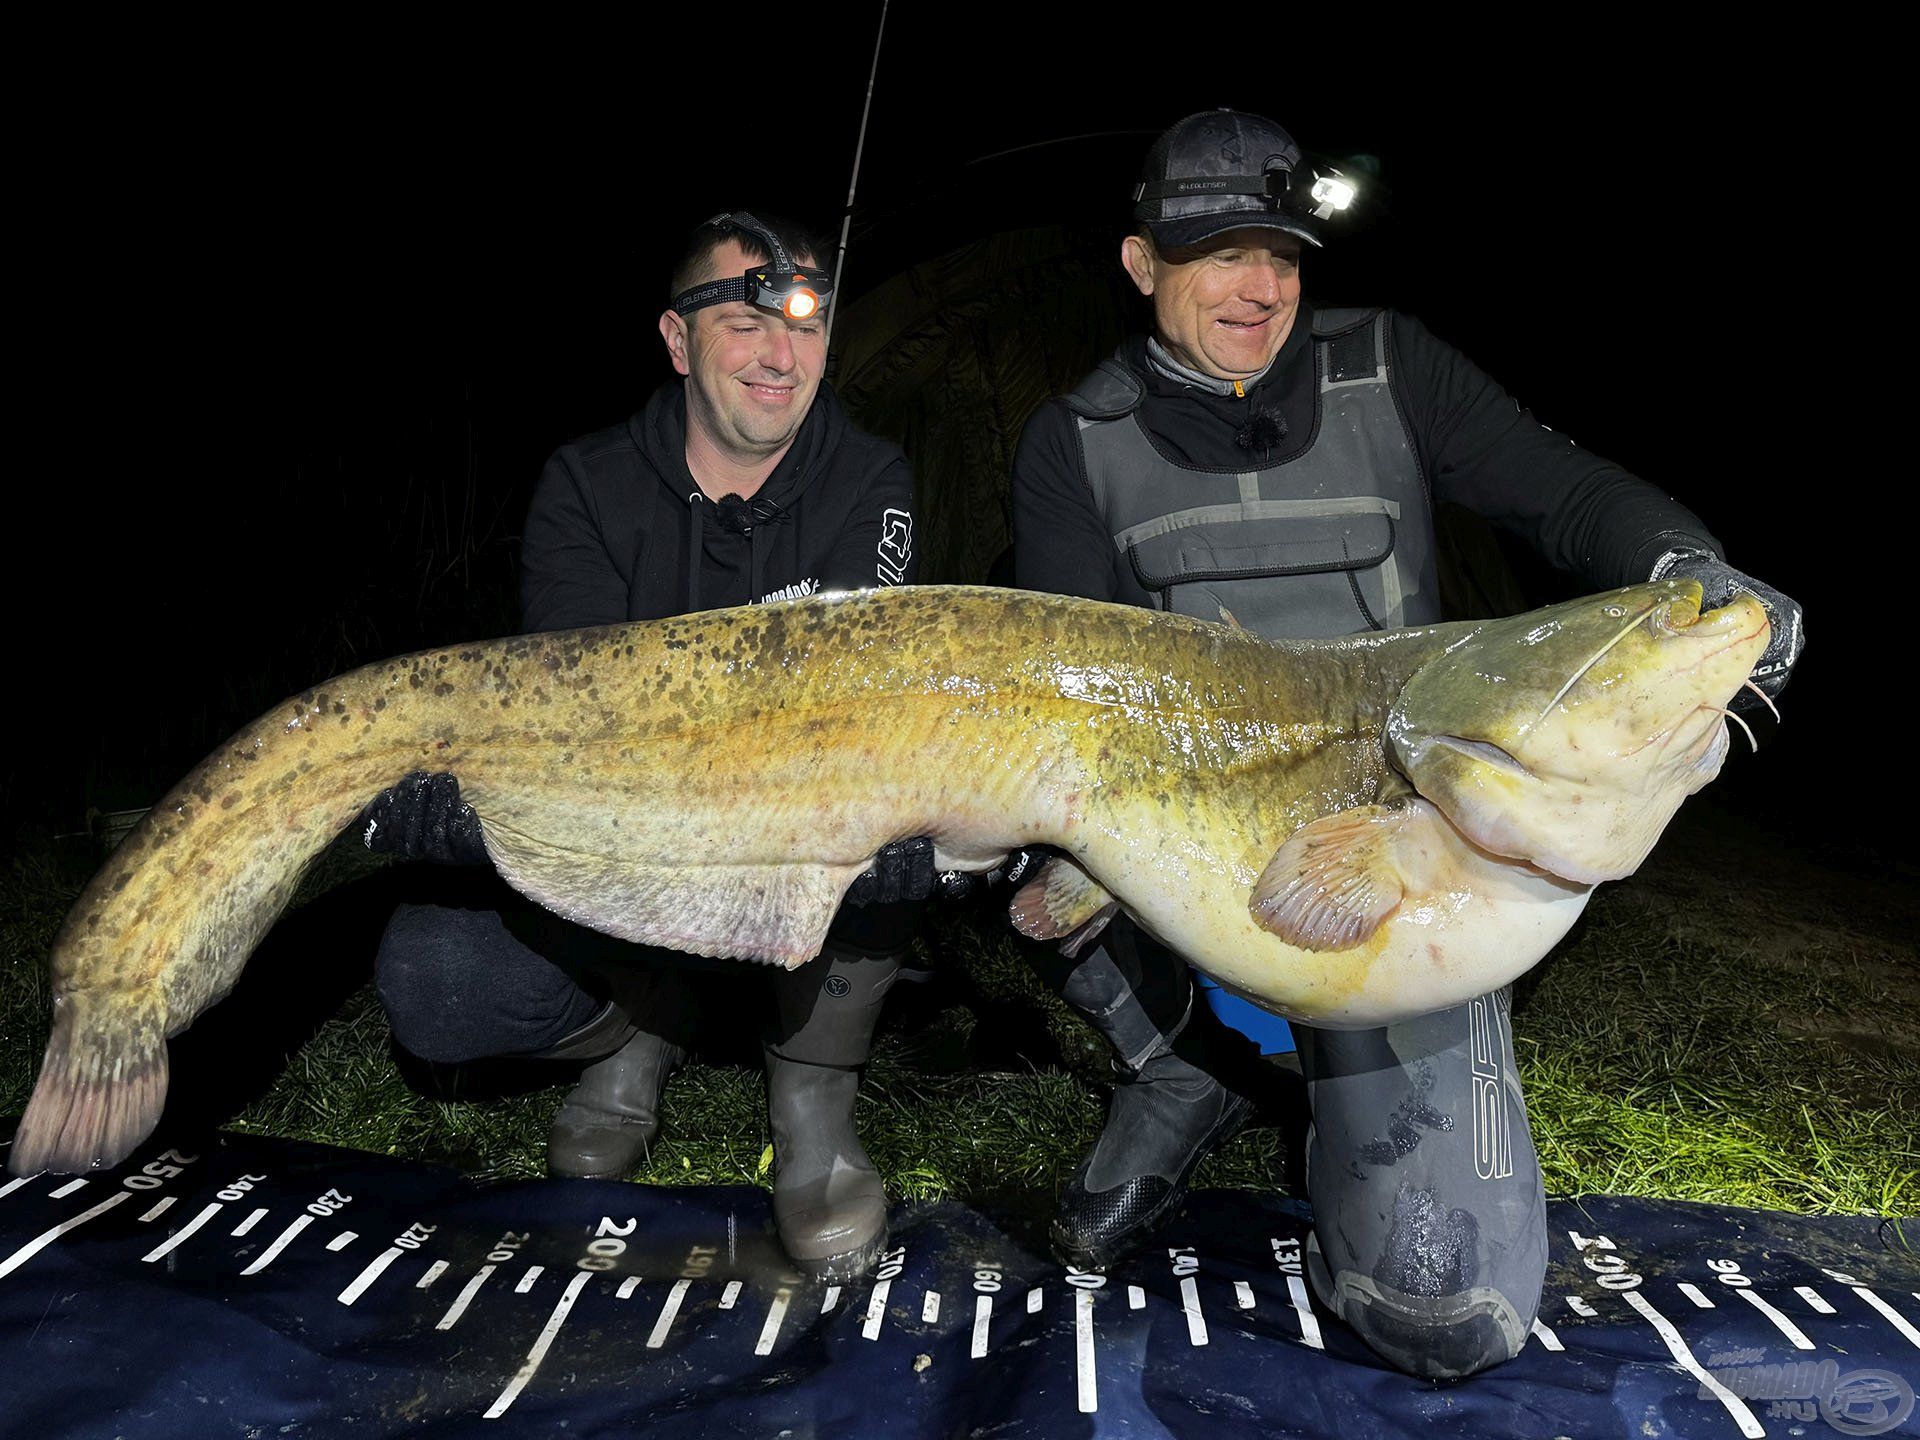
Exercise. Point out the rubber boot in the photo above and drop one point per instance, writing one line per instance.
(1166, 1114)
(1430, 1219)
(605, 1128)
(828, 1202)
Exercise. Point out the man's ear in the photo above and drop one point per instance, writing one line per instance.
(673, 330)
(1136, 257)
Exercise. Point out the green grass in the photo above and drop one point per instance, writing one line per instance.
(1686, 1042)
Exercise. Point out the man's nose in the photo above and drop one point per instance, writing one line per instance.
(1260, 283)
(777, 353)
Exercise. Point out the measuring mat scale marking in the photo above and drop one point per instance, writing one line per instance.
(247, 1224)
(1225, 1315)
(40, 1242)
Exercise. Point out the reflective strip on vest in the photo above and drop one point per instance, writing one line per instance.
(1337, 539)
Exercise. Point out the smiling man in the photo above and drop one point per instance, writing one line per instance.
(1263, 463)
(738, 484)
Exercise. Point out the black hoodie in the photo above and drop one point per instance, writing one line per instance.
(617, 517)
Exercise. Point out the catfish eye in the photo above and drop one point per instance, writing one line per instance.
(1485, 751)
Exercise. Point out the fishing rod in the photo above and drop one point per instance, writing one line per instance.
(853, 183)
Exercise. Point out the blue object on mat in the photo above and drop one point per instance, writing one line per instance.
(245, 1286)
(1267, 1030)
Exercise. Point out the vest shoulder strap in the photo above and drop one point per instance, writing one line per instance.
(1351, 342)
(1330, 324)
(1110, 392)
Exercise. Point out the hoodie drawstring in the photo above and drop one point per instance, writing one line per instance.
(751, 518)
(696, 533)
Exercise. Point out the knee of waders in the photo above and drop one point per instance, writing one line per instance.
(424, 973)
(1431, 1336)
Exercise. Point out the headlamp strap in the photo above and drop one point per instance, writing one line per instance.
(1272, 185)
(741, 220)
(714, 292)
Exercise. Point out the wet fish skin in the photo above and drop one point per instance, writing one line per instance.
(713, 782)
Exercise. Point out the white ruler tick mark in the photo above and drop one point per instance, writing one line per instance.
(1676, 1347)
(1087, 1390)
(464, 1298)
(982, 1317)
(281, 1241)
(247, 1224)
(40, 1242)
(540, 1345)
(877, 1309)
(166, 1246)
(668, 1309)
(770, 1331)
(367, 1276)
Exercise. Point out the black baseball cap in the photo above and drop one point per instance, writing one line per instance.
(1217, 171)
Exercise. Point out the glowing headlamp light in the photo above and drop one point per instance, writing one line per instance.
(795, 291)
(1331, 191)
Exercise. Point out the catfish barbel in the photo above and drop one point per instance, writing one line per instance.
(1348, 831)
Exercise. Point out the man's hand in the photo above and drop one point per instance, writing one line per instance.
(1019, 867)
(901, 871)
(904, 871)
(422, 818)
(1719, 583)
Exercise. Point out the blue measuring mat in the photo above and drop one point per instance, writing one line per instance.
(254, 1287)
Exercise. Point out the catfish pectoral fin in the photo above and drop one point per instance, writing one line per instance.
(1339, 878)
(101, 1086)
(1062, 903)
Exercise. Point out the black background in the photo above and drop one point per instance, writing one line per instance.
(320, 305)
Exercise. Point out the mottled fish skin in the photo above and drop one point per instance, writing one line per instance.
(713, 782)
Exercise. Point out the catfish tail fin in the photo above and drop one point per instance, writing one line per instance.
(165, 927)
(101, 1086)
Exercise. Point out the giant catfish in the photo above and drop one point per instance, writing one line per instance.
(1346, 831)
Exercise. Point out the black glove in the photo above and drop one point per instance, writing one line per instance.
(1019, 867)
(422, 818)
(1719, 583)
(902, 870)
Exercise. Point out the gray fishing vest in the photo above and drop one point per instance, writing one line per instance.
(1337, 539)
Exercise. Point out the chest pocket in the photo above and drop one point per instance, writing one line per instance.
(1281, 568)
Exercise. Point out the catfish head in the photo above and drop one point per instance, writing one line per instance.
(1567, 737)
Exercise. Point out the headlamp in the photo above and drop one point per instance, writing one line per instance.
(1326, 192)
(1331, 191)
(795, 291)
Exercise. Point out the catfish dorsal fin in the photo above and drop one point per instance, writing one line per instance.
(1339, 878)
(1062, 903)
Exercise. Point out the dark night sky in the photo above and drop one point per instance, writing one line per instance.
(279, 297)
